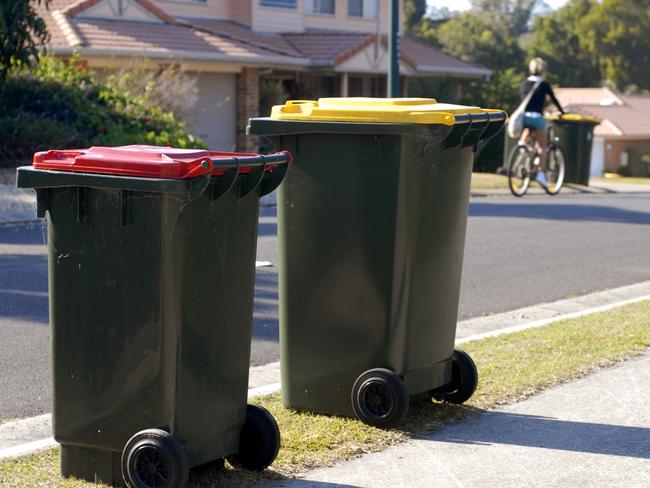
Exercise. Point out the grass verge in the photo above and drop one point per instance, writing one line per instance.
(489, 181)
(511, 368)
(615, 178)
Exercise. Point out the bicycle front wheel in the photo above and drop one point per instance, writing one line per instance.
(555, 168)
(519, 170)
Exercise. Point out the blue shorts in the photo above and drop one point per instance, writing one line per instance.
(534, 121)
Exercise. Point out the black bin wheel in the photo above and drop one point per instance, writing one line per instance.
(464, 378)
(153, 458)
(380, 398)
(259, 440)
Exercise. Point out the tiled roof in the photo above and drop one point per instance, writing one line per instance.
(428, 58)
(587, 96)
(170, 37)
(245, 34)
(57, 37)
(327, 47)
(622, 115)
(336, 47)
(106, 34)
(228, 40)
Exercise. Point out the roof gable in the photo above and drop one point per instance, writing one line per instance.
(130, 10)
(370, 56)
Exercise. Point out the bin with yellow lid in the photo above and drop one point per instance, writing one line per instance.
(371, 226)
(574, 133)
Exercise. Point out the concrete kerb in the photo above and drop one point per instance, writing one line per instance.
(30, 435)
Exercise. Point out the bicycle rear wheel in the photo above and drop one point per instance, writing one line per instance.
(554, 170)
(519, 170)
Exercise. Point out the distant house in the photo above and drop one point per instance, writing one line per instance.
(313, 47)
(622, 140)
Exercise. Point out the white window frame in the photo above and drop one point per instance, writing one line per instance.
(314, 7)
(367, 6)
(280, 4)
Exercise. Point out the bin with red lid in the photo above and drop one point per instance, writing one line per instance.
(151, 283)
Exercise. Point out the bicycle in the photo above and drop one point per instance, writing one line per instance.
(524, 163)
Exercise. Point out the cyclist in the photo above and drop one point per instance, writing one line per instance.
(534, 124)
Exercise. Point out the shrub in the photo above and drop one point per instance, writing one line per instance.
(57, 104)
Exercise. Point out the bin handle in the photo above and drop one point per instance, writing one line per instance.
(282, 157)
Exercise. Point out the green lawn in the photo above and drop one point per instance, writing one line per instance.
(511, 368)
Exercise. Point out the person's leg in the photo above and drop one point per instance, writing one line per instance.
(541, 144)
(540, 137)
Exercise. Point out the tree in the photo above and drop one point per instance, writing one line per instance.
(22, 32)
(619, 31)
(477, 39)
(414, 10)
(514, 15)
(557, 40)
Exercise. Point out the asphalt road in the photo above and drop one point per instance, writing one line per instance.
(518, 253)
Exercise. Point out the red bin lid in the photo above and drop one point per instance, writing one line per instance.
(136, 160)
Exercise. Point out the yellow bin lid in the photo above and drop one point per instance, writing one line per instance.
(373, 110)
(575, 118)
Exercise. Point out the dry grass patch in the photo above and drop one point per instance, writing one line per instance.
(614, 178)
(489, 181)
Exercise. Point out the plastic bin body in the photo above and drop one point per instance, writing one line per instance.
(575, 136)
(371, 226)
(151, 286)
(509, 144)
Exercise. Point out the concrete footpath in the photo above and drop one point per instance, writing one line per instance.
(594, 432)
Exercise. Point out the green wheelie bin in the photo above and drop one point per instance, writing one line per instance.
(371, 229)
(151, 281)
(509, 144)
(574, 133)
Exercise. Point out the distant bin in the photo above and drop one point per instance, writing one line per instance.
(371, 228)
(151, 280)
(509, 144)
(574, 134)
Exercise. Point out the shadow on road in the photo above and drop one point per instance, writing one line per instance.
(265, 315)
(23, 287)
(33, 233)
(267, 229)
(549, 433)
(564, 212)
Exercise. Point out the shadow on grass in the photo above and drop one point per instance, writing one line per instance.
(424, 417)
(215, 474)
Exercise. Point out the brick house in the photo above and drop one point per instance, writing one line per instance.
(622, 140)
(311, 48)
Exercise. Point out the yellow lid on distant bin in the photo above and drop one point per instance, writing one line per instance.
(373, 110)
(575, 118)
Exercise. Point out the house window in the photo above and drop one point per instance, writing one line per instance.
(320, 6)
(278, 3)
(368, 9)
